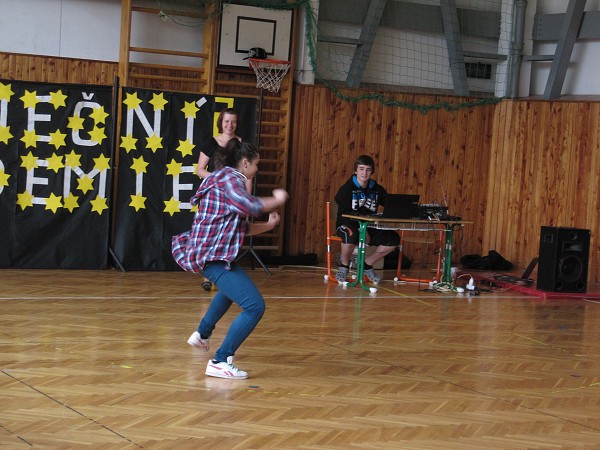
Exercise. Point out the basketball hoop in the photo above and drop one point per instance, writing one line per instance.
(269, 72)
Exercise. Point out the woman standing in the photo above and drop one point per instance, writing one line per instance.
(227, 124)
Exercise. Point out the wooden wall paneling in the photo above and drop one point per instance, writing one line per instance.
(531, 187)
(555, 169)
(406, 130)
(495, 178)
(512, 163)
(390, 149)
(506, 191)
(536, 151)
(546, 152)
(14, 67)
(298, 178)
(518, 165)
(516, 222)
(481, 151)
(329, 160)
(530, 201)
(593, 219)
(55, 69)
(417, 149)
(581, 162)
(459, 178)
(4, 64)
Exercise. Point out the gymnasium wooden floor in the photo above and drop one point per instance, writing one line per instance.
(99, 359)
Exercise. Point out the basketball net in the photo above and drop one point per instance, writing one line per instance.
(269, 72)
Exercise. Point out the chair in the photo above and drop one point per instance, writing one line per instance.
(330, 238)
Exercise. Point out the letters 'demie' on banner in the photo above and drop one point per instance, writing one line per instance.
(55, 162)
(160, 142)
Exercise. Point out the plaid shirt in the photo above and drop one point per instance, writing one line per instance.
(220, 225)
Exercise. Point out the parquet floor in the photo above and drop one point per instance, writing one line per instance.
(99, 359)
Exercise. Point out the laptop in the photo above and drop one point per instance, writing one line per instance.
(400, 206)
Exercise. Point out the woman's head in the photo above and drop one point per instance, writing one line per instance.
(227, 121)
(242, 156)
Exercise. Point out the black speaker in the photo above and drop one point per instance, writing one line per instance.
(563, 259)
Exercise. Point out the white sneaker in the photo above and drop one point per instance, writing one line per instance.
(196, 341)
(225, 370)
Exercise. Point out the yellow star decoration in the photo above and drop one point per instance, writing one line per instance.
(57, 139)
(30, 138)
(99, 115)
(29, 161)
(139, 165)
(172, 206)
(53, 203)
(185, 147)
(158, 101)
(154, 142)
(5, 134)
(4, 178)
(132, 101)
(102, 163)
(71, 202)
(128, 143)
(24, 200)
(174, 168)
(194, 208)
(57, 99)
(138, 201)
(55, 162)
(30, 99)
(189, 110)
(75, 123)
(5, 91)
(97, 135)
(99, 205)
(72, 159)
(84, 184)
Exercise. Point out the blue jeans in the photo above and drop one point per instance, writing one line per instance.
(235, 286)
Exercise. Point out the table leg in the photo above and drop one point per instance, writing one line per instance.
(360, 260)
(447, 274)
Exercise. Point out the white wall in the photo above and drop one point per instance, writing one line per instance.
(90, 29)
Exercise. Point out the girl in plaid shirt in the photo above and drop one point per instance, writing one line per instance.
(213, 243)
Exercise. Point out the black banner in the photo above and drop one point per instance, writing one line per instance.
(160, 139)
(55, 169)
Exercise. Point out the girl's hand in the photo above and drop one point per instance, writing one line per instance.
(280, 195)
(274, 218)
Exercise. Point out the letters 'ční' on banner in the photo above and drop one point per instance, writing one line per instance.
(159, 144)
(55, 162)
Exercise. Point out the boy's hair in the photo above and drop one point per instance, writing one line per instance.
(220, 118)
(233, 153)
(364, 160)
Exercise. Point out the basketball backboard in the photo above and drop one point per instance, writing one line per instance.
(244, 27)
